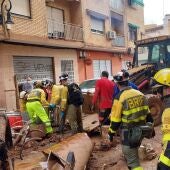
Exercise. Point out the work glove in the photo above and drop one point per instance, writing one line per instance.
(52, 106)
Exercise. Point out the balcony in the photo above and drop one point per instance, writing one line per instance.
(64, 31)
(119, 41)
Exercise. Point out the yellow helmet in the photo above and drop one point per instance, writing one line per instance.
(163, 76)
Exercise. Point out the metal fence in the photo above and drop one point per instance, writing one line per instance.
(119, 41)
(64, 31)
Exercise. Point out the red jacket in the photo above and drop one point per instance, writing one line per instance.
(104, 90)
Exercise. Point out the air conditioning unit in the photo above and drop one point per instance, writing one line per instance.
(111, 35)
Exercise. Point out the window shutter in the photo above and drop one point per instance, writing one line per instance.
(21, 7)
(97, 24)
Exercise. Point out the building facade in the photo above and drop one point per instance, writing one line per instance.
(154, 30)
(110, 29)
(50, 37)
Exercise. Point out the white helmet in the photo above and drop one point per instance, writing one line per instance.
(22, 94)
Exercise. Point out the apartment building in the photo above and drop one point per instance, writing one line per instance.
(110, 28)
(48, 37)
(154, 30)
(41, 43)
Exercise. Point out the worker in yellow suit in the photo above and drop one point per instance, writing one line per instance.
(129, 112)
(35, 107)
(64, 100)
(54, 100)
(163, 77)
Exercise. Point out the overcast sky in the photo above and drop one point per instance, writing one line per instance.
(154, 10)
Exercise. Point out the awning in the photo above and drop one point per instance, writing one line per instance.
(96, 14)
(138, 2)
(133, 26)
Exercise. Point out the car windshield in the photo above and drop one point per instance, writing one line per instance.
(87, 84)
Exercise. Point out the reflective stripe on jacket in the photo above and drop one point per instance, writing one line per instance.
(129, 108)
(38, 94)
(166, 124)
(165, 155)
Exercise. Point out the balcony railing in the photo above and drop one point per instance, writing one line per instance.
(64, 31)
(119, 41)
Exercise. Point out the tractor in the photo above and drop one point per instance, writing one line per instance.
(150, 56)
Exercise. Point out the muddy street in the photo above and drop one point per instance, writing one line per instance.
(113, 159)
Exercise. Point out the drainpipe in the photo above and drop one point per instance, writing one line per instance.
(85, 71)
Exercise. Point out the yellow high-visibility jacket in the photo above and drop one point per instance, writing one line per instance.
(22, 105)
(38, 94)
(130, 107)
(56, 94)
(166, 125)
(64, 98)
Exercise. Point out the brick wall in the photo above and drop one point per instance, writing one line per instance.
(34, 26)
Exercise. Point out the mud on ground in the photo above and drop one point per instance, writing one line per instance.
(113, 159)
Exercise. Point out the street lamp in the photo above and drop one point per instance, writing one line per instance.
(6, 19)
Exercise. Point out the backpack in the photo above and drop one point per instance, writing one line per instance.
(75, 95)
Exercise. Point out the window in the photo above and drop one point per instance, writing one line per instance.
(21, 7)
(143, 54)
(117, 23)
(101, 65)
(132, 33)
(68, 67)
(117, 4)
(55, 22)
(97, 25)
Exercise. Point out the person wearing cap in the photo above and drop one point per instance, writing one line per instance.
(131, 84)
(163, 77)
(36, 102)
(104, 89)
(130, 110)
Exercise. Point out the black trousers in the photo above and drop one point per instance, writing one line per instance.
(104, 116)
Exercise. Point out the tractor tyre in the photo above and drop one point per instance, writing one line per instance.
(156, 108)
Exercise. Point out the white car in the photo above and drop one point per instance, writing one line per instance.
(88, 86)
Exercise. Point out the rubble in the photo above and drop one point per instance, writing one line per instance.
(78, 144)
(147, 152)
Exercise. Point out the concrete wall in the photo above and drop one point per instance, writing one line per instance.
(101, 7)
(34, 26)
(86, 70)
(7, 85)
